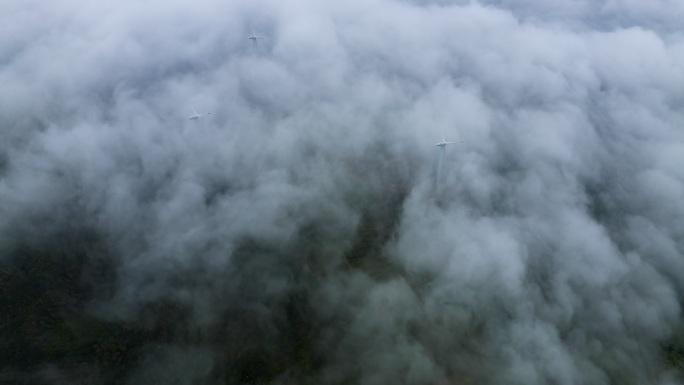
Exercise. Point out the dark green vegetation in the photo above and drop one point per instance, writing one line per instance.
(674, 353)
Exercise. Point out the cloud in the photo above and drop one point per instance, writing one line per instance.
(297, 234)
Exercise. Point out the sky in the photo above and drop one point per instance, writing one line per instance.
(298, 233)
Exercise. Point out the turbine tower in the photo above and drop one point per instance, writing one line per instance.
(442, 149)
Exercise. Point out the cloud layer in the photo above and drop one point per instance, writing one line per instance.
(297, 234)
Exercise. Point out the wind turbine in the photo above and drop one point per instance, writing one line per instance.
(254, 38)
(442, 149)
(195, 116)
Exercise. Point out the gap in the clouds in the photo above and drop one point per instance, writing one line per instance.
(4, 163)
(270, 326)
(46, 285)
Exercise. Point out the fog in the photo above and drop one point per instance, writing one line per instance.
(300, 233)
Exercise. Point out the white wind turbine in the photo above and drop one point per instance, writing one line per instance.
(195, 116)
(442, 149)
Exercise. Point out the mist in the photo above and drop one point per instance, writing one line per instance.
(301, 233)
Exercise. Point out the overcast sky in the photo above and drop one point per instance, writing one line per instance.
(551, 252)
